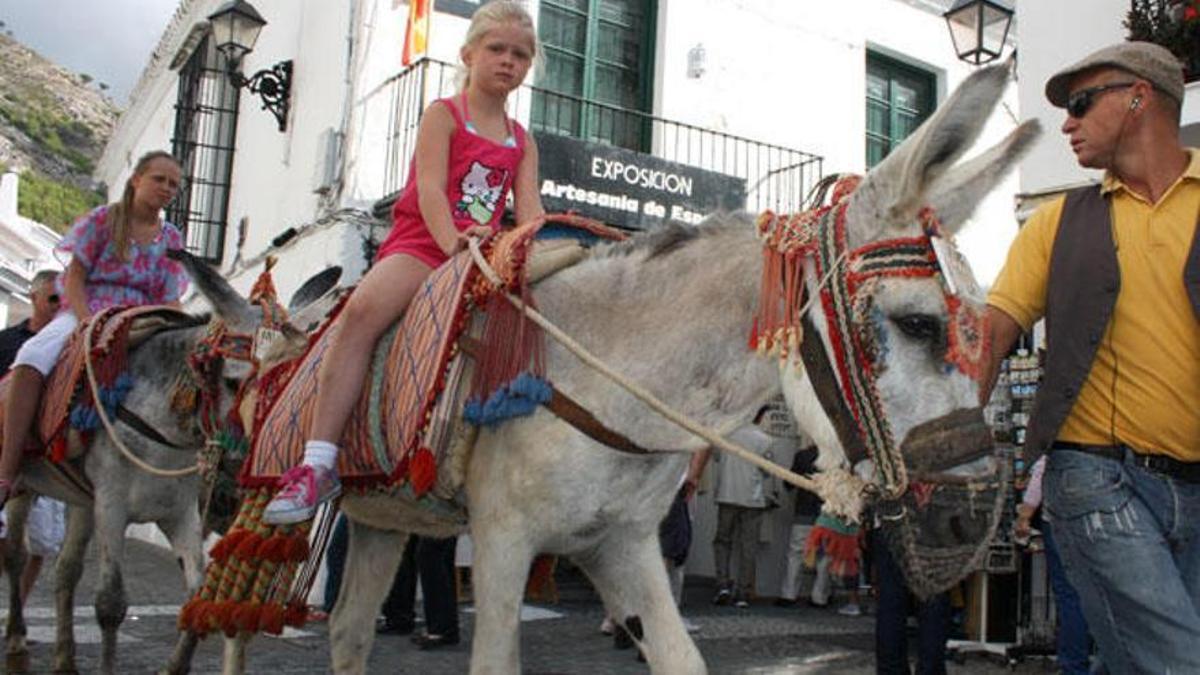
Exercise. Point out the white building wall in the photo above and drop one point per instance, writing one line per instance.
(1047, 46)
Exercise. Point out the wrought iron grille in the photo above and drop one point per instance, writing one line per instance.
(206, 112)
(776, 177)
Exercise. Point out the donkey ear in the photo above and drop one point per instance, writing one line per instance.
(955, 197)
(897, 186)
(230, 306)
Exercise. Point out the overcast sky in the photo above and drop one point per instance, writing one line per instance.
(110, 40)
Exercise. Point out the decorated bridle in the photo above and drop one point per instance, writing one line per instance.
(200, 391)
(815, 241)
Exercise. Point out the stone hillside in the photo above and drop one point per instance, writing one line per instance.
(52, 121)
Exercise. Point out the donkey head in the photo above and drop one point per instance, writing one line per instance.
(901, 325)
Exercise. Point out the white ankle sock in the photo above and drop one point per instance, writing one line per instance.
(320, 454)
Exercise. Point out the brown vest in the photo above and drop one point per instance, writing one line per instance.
(1081, 293)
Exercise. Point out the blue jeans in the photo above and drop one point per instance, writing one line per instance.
(1074, 641)
(1130, 543)
(891, 637)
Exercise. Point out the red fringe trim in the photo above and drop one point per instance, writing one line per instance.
(511, 344)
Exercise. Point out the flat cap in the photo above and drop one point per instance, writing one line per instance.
(1144, 59)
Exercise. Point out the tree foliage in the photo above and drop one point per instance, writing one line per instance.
(52, 203)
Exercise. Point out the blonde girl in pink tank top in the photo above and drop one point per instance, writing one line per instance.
(469, 155)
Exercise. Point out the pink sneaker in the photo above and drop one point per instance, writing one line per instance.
(302, 489)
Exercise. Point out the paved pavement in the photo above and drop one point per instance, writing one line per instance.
(557, 639)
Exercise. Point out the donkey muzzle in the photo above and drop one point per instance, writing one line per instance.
(940, 528)
(939, 445)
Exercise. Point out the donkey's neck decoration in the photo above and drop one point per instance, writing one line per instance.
(816, 240)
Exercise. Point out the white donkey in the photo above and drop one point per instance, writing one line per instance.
(672, 311)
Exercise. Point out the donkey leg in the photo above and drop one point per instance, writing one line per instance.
(184, 533)
(233, 660)
(67, 571)
(15, 557)
(630, 575)
(500, 566)
(372, 558)
(111, 604)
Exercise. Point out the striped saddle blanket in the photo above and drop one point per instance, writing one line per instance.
(383, 441)
(67, 401)
(406, 431)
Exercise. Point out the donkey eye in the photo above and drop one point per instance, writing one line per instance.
(919, 326)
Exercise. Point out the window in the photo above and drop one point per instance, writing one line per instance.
(598, 68)
(899, 98)
(206, 112)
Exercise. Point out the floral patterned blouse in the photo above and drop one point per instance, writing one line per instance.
(149, 277)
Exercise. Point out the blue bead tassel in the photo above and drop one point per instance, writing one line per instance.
(519, 397)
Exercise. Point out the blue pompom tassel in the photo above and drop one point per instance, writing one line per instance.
(517, 398)
(85, 418)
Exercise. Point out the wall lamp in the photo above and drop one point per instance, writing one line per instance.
(979, 28)
(236, 26)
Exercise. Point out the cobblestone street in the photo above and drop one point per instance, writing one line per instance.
(562, 638)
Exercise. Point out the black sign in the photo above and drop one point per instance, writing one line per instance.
(463, 8)
(629, 189)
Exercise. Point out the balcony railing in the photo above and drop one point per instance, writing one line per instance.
(776, 177)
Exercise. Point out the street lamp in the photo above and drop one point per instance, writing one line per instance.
(236, 26)
(978, 28)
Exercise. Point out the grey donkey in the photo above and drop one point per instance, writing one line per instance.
(123, 493)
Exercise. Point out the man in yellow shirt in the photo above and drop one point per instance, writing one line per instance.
(1115, 270)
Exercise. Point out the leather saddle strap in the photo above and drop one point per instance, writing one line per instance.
(142, 427)
(825, 383)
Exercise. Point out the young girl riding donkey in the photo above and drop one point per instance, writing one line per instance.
(118, 257)
(469, 155)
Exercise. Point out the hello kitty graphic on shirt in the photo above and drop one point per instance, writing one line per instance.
(481, 189)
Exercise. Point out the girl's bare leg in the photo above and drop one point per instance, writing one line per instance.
(381, 297)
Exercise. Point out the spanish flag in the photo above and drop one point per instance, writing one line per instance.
(416, 35)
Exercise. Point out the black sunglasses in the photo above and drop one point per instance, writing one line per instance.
(1081, 101)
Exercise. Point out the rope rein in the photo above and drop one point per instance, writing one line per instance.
(714, 439)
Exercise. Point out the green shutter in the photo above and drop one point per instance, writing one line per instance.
(899, 98)
(598, 65)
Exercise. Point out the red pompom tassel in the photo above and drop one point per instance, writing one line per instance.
(296, 614)
(246, 549)
(296, 548)
(222, 549)
(422, 471)
(270, 619)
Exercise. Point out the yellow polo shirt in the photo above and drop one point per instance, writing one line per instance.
(1144, 386)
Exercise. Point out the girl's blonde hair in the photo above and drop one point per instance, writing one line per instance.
(120, 212)
(489, 16)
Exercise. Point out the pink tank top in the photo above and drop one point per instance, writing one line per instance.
(479, 177)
